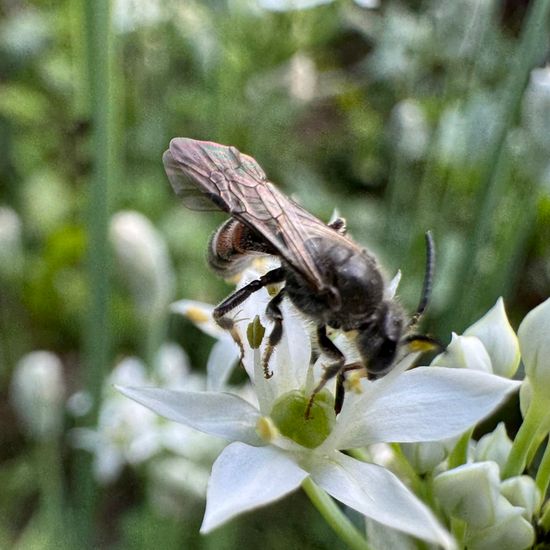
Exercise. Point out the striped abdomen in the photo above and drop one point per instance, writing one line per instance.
(231, 246)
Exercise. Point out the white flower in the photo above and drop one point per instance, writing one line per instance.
(128, 434)
(274, 448)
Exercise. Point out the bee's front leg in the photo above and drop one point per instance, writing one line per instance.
(332, 370)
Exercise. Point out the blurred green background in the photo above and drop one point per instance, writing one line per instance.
(404, 116)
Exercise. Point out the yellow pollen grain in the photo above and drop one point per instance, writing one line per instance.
(197, 315)
(353, 382)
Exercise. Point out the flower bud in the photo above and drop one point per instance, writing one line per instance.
(409, 129)
(494, 446)
(465, 352)
(499, 339)
(522, 491)
(11, 252)
(470, 493)
(535, 349)
(424, 457)
(142, 254)
(510, 531)
(37, 393)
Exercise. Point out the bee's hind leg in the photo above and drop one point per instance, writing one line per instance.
(238, 297)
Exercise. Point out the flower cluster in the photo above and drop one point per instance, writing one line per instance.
(429, 411)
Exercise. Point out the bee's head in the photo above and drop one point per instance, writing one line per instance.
(378, 342)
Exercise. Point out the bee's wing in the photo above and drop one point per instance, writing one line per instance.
(209, 176)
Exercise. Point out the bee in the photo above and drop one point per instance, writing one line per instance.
(327, 276)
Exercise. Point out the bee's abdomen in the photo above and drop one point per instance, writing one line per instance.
(231, 247)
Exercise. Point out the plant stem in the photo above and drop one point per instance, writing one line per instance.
(544, 521)
(459, 454)
(332, 514)
(523, 442)
(543, 475)
(97, 22)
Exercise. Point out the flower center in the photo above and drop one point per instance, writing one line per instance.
(288, 414)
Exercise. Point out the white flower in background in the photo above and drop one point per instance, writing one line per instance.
(37, 393)
(130, 434)
(274, 448)
(141, 251)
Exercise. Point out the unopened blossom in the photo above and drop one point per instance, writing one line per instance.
(37, 393)
(534, 341)
(499, 339)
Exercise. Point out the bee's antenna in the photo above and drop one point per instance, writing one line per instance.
(428, 279)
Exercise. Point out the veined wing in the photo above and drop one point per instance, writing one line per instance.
(210, 176)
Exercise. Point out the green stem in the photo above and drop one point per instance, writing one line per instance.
(543, 475)
(458, 529)
(50, 476)
(523, 442)
(544, 521)
(332, 514)
(459, 454)
(96, 18)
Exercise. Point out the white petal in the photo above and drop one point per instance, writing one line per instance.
(222, 359)
(465, 352)
(499, 339)
(535, 347)
(199, 314)
(244, 478)
(215, 413)
(379, 495)
(424, 404)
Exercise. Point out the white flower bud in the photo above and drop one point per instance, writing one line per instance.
(522, 491)
(37, 393)
(466, 352)
(494, 446)
(499, 339)
(142, 253)
(510, 531)
(409, 129)
(534, 341)
(470, 493)
(424, 457)
(11, 252)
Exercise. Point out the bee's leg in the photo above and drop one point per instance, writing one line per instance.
(273, 312)
(340, 390)
(339, 225)
(238, 297)
(332, 370)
